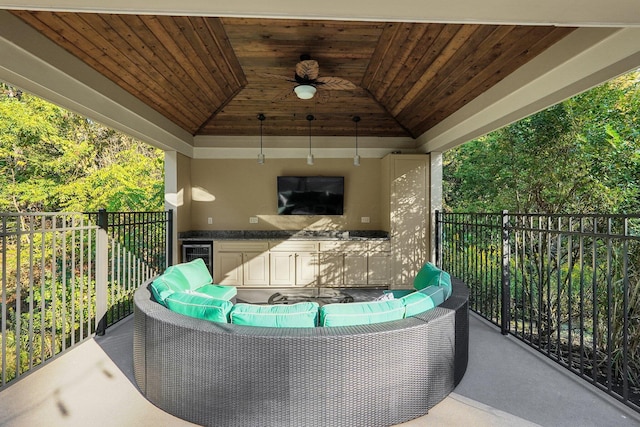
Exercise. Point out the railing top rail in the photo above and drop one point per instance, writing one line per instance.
(22, 214)
(550, 215)
(129, 212)
(604, 226)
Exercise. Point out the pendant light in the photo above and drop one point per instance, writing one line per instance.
(356, 158)
(261, 117)
(310, 118)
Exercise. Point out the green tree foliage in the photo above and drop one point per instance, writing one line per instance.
(580, 156)
(53, 160)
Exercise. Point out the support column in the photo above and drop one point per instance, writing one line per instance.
(435, 197)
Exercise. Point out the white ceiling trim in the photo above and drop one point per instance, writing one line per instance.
(286, 147)
(618, 13)
(293, 152)
(203, 141)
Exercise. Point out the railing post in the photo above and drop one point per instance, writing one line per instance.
(437, 238)
(102, 260)
(169, 238)
(506, 279)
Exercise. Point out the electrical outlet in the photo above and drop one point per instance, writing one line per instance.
(365, 220)
(253, 220)
(209, 220)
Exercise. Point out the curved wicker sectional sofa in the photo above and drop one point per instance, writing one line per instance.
(221, 374)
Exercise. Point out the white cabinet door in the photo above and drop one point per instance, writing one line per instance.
(332, 269)
(380, 268)
(306, 269)
(256, 268)
(282, 269)
(355, 269)
(228, 268)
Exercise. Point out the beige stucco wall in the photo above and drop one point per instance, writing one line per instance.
(232, 191)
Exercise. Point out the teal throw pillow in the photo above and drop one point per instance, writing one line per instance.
(429, 275)
(361, 313)
(195, 272)
(200, 307)
(299, 315)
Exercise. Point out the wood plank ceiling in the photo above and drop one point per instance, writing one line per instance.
(207, 74)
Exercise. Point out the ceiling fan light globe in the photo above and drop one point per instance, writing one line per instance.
(305, 91)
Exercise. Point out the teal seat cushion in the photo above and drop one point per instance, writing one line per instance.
(436, 293)
(195, 273)
(299, 315)
(200, 307)
(217, 291)
(416, 303)
(399, 293)
(361, 313)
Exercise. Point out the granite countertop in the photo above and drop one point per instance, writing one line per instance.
(352, 235)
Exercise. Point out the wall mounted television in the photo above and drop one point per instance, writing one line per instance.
(310, 195)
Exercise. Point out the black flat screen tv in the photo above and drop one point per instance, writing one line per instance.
(310, 195)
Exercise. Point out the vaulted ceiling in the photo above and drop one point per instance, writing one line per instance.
(210, 76)
(192, 76)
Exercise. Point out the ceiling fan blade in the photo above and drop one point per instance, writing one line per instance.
(335, 83)
(276, 76)
(308, 69)
(282, 95)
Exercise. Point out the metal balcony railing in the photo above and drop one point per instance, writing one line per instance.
(67, 276)
(567, 285)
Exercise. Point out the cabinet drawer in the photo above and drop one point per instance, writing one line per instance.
(332, 246)
(241, 246)
(293, 246)
(381, 246)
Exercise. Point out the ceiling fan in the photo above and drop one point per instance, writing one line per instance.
(308, 81)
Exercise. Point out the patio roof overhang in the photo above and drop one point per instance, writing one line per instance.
(603, 45)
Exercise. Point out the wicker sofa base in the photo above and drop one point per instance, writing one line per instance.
(229, 375)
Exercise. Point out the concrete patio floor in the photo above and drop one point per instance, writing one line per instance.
(506, 384)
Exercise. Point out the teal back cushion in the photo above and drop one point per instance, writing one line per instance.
(416, 303)
(195, 272)
(429, 275)
(160, 290)
(216, 291)
(445, 283)
(174, 280)
(198, 306)
(300, 315)
(436, 293)
(361, 313)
